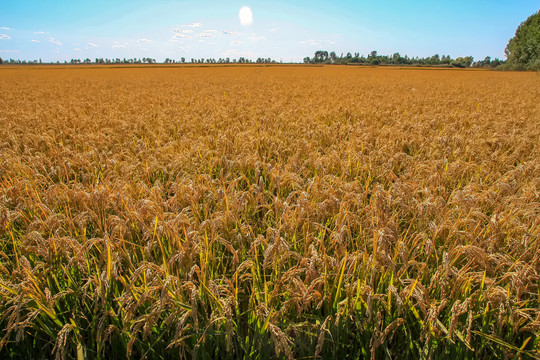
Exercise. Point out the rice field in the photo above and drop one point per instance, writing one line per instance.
(269, 212)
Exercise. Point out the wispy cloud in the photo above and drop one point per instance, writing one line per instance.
(92, 45)
(312, 42)
(182, 31)
(144, 40)
(55, 42)
(5, 37)
(10, 51)
(235, 43)
(177, 37)
(6, 28)
(204, 35)
(39, 32)
(197, 24)
(34, 41)
(227, 32)
(119, 45)
(256, 38)
(309, 42)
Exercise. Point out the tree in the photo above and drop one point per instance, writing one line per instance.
(373, 58)
(495, 63)
(523, 50)
(463, 62)
(333, 56)
(320, 56)
(1, 61)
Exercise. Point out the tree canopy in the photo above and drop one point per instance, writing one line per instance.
(374, 58)
(523, 50)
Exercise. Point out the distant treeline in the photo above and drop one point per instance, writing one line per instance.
(320, 57)
(106, 61)
(324, 57)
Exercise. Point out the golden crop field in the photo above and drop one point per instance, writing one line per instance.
(269, 212)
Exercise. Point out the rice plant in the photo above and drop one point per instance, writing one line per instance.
(269, 212)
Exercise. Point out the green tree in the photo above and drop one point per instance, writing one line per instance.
(396, 58)
(523, 50)
(435, 60)
(320, 56)
(463, 62)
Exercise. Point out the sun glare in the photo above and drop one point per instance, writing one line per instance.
(246, 16)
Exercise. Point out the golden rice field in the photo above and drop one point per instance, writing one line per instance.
(269, 212)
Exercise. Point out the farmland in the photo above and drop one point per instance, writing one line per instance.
(269, 212)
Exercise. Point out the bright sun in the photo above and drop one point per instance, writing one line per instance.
(246, 16)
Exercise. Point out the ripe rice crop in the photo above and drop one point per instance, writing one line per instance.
(269, 212)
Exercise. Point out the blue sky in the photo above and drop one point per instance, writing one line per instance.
(283, 30)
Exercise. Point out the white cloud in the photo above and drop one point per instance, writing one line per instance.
(254, 37)
(118, 46)
(204, 35)
(227, 32)
(6, 28)
(77, 49)
(312, 42)
(144, 40)
(39, 32)
(34, 41)
(55, 42)
(235, 43)
(182, 31)
(10, 51)
(92, 45)
(179, 37)
(211, 31)
(192, 25)
(4, 37)
(309, 42)
(273, 29)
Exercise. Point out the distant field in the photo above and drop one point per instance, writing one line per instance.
(269, 212)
